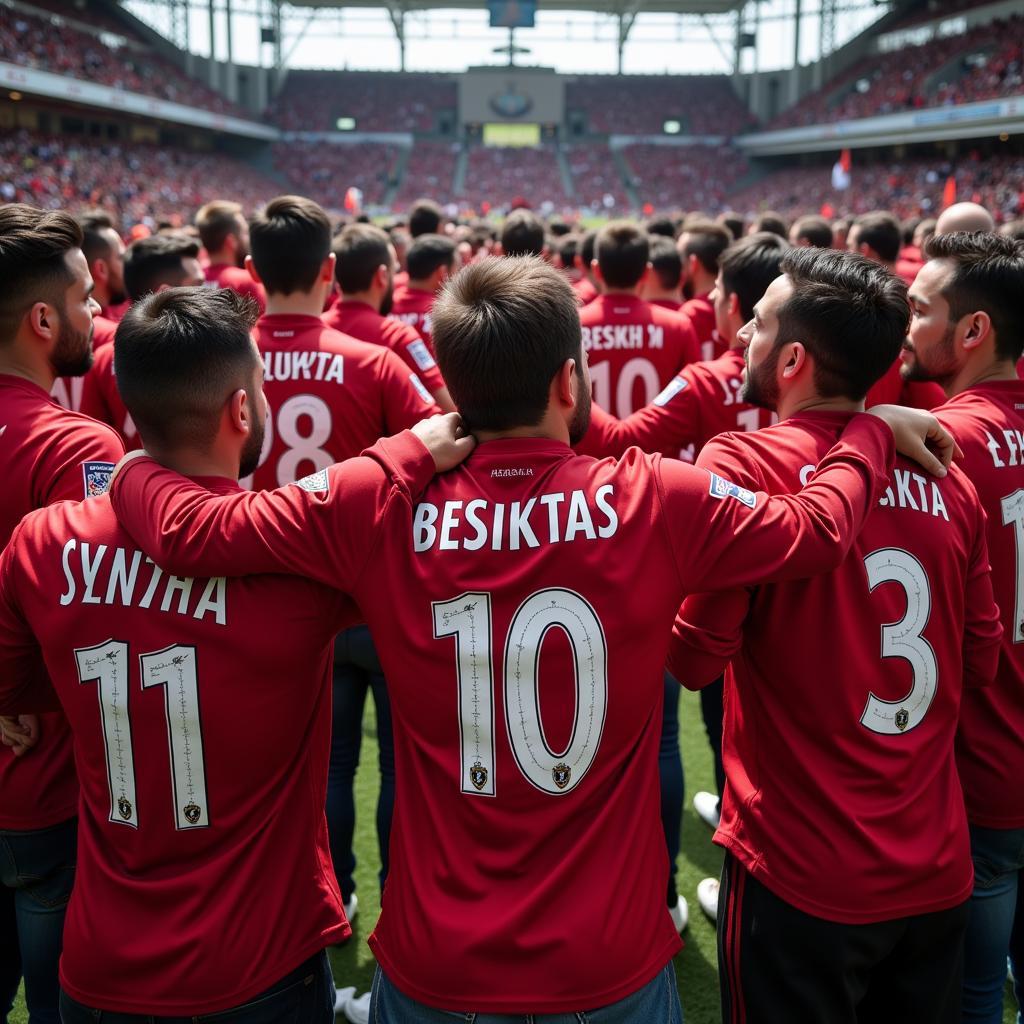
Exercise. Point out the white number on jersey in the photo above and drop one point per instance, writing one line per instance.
(903, 639)
(468, 619)
(173, 668)
(1013, 515)
(304, 424)
(631, 371)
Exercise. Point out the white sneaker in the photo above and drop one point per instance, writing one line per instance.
(680, 914)
(341, 998)
(707, 897)
(358, 1010)
(351, 907)
(708, 808)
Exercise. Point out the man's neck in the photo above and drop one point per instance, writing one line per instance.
(12, 366)
(664, 297)
(420, 286)
(702, 287)
(787, 407)
(621, 293)
(367, 298)
(189, 462)
(222, 259)
(296, 304)
(972, 375)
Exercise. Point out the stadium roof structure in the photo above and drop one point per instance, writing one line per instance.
(610, 7)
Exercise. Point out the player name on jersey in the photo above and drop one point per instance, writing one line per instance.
(1007, 450)
(308, 365)
(97, 574)
(613, 337)
(546, 518)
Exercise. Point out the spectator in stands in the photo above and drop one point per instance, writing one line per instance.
(522, 234)
(425, 218)
(700, 245)
(811, 231)
(663, 286)
(225, 236)
(964, 217)
(770, 221)
(733, 223)
(877, 236)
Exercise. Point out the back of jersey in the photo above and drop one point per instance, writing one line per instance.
(204, 873)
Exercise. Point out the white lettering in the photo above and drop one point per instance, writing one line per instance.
(65, 558)
(423, 532)
(449, 521)
(602, 496)
(89, 571)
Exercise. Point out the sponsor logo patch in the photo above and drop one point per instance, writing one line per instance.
(315, 483)
(96, 477)
(723, 489)
(420, 387)
(672, 389)
(421, 354)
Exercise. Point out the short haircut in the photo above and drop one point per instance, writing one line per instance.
(706, 241)
(850, 313)
(622, 251)
(558, 228)
(502, 329)
(773, 222)
(425, 218)
(987, 275)
(155, 261)
(665, 259)
(178, 356)
(289, 240)
(881, 231)
(33, 268)
(815, 229)
(359, 250)
(95, 243)
(749, 266)
(661, 226)
(587, 245)
(568, 247)
(216, 221)
(427, 254)
(522, 234)
(732, 222)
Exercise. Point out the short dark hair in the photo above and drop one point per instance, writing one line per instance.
(568, 246)
(706, 241)
(850, 313)
(622, 251)
(155, 260)
(359, 250)
(178, 356)
(95, 244)
(815, 229)
(665, 259)
(773, 222)
(732, 222)
(502, 329)
(290, 238)
(881, 231)
(750, 265)
(988, 272)
(427, 254)
(33, 268)
(587, 245)
(215, 221)
(522, 234)
(559, 228)
(661, 226)
(425, 218)
(907, 229)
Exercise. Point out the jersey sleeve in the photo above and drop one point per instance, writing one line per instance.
(79, 463)
(724, 535)
(405, 398)
(413, 350)
(707, 634)
(24, 685)
(983, 630)
(324, 527)
(94, 400)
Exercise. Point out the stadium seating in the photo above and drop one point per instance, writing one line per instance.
(688, 178)
(596, 177)
(429, 172)
(499, 176)
(324, 172)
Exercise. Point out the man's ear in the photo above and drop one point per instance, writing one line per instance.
(251, 267)
(240, 410)
(734, 305)
(979, 327)
(566, 382)
(793, 359)
(43, 320)
(327, 268)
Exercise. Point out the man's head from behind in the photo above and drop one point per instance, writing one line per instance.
(104, 252)
(745, 270)
(877, 236)
(508, 341)
(431, 260)
(811, 231)
(666, 277)
(964, 217)
(828, 328)
(700, 245)
(46, 308)
(191, 376)
(290, 240)
(622, 253)
(166, 260)
(224, 232)
(365, 265)
(965, 303)
(425, 218)
(522, 234)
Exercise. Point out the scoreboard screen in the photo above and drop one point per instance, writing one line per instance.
(511, 134)
(512, 13)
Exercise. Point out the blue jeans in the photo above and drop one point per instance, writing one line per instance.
(356, 671)
(304, 996)
(670, 770)
(996, 904)
(37, 870)
(656, 1003)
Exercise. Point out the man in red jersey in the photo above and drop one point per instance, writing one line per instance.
(364, 269)
(663, 286)
(225, 236)
(634, 349)
(517, 544)
(329, 396)
(205, 883)
(167, 260)
(47, 454)
(104, 253)
(431, 259)
(587, 288)
(965, 334)
(700, 245)
(843, 820)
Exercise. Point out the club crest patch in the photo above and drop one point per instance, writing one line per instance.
(96, 478)
(478, 776)
(561, 774)
(672, 389)
(902, 719)
(421, 355)
(723, 489)
(315, 483)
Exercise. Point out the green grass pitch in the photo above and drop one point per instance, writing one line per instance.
(696, 966)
